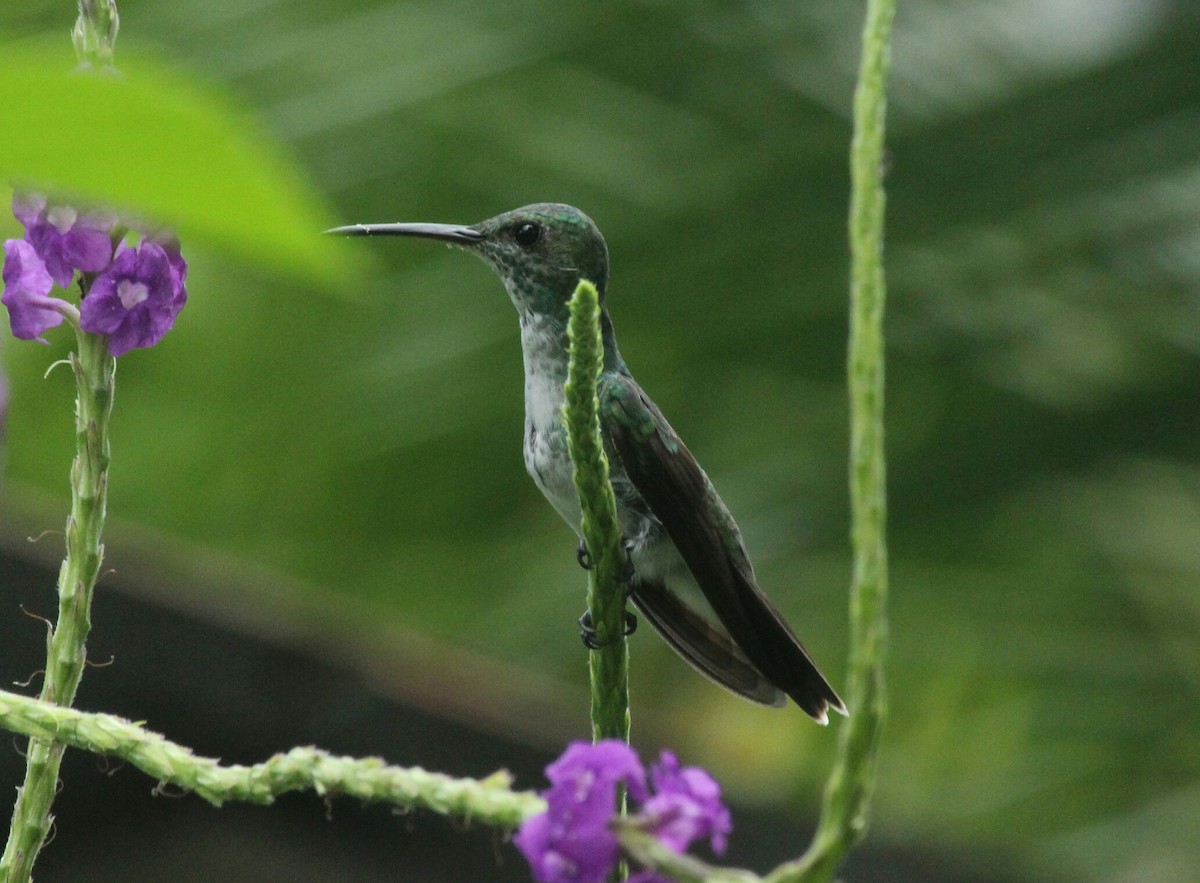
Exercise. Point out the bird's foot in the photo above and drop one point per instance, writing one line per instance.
(587, 631)
(584, 557)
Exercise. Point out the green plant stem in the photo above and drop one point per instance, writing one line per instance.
(489, 800)
(94, 371)
(609, 665)
(844, 812)
(651, 852)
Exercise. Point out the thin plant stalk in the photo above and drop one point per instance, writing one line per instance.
(609, 664)
(846, 804)
(489, 801)
(94, 371)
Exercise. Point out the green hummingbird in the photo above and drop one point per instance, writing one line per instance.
(689, 574)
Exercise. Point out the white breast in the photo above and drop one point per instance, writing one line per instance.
(546, 457)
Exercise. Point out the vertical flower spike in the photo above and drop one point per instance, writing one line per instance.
(26, 284)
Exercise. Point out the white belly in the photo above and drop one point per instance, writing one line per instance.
(547, 462)
(653, 555)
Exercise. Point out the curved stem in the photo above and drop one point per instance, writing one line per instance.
(491, 800)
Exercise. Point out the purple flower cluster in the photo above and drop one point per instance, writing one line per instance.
(573, 841)
(132, 293)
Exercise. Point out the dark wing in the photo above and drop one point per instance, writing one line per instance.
(707, 648)
(673, 485)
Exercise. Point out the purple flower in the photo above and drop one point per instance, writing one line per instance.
(179, 268)
(136, 299)
(26, 284)
(571, 842)
(686, 806)
(64, 238)
(131, 296)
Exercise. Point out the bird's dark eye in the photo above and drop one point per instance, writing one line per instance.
(527, 234)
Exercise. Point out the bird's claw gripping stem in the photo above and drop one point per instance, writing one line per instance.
(584, 557)
(587, 632)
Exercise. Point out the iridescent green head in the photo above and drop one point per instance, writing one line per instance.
(540, 251)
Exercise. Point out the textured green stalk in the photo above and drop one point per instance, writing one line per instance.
(845, 809)
(94, 371)
(651, 852)
(490, 800)
(609, 665)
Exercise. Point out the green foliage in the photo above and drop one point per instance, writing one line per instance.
(152, 139)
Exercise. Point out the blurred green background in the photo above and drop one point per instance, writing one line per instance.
(337, 466)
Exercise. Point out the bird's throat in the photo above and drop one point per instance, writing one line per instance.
(544, 348)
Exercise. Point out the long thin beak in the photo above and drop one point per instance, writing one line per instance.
(446, 232)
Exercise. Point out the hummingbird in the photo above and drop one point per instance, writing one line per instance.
(689, 573)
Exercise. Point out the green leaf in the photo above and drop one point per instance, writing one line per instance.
(157, 142)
